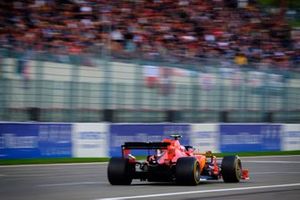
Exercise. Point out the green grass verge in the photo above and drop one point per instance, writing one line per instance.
(86, 160)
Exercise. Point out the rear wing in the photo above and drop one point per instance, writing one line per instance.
(145, 145)
(127, 146)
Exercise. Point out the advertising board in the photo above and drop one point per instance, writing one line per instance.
(90, 140)
(250, 137)
(55, 140)
(291, 137)
(205, 137)
(35, 140)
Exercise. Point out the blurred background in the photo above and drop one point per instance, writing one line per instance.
(150, 61)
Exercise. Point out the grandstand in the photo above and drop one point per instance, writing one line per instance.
(147, 61)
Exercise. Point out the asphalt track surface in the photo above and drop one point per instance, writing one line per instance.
(275, 178)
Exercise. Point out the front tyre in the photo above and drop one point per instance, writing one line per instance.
(119, 171)
(187, 171)
(231, 169)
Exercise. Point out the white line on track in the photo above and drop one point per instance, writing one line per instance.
(202, 191)
(279, 156)
(271, 161)
(254, 173)
(71, 184)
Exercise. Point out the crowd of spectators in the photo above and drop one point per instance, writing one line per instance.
(151, 29)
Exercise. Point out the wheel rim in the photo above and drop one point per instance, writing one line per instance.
(197, 173)
(238, 170)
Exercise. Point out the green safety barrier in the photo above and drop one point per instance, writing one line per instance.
(88, 88)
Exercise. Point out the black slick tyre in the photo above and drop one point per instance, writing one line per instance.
(187, 171)
(231, 169)
(119, 171)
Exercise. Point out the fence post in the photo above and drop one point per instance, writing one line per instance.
(3, 90)
(195, 97)
(36, 111)
(138, 96)
(107, 85)
(73, 87)
(223, 114)
(265, 95)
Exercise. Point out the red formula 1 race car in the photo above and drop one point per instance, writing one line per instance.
(172, 162)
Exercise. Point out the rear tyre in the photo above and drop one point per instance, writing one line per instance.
(119, 171)
(187, 171)
(231, 169)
